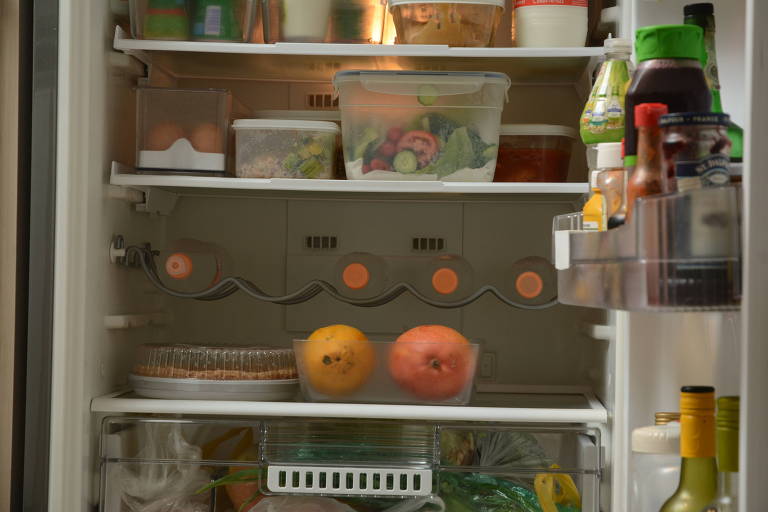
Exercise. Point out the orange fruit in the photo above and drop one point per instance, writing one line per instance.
(338, 360)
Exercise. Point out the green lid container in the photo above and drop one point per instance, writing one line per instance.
(728, 433)
(669, 42)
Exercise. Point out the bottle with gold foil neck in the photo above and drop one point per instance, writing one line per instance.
(727, 455)
(698, 469)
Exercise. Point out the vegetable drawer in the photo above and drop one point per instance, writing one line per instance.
(345, 466)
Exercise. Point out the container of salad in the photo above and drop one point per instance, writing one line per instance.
(282, 148)
(421, 125)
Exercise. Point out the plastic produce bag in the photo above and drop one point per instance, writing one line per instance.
(154, 487)
(516, 449)
(300, 504)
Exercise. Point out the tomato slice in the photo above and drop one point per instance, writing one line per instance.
(423, 144)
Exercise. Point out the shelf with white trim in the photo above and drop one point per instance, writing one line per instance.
(247, 60)
(492, 403)
(227, 186)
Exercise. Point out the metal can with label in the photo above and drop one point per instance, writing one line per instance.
(696, 150)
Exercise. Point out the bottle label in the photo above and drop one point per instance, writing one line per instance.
(529, 3)
(710, 171)
(212, 20)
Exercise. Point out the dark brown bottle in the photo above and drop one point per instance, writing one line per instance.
(669, 72)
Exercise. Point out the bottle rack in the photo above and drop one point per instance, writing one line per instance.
(144, 257)
(679, 252)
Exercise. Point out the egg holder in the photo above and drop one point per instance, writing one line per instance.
(183, 156)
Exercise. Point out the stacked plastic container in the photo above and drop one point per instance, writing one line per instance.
(410, 125)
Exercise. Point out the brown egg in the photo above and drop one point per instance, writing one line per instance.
(163, 135)
(206, 138)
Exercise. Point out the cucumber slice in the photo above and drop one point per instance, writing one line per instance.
(428, 95)
(490, 152)
(405, 162)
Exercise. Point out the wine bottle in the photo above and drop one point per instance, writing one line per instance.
(727, 455)
(698, 469)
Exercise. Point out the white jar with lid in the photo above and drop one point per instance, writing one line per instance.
(655, 466)
(551, 23)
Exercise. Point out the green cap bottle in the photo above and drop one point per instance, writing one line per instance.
(669, 42)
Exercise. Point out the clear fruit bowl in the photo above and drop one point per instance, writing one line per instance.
(386, 372)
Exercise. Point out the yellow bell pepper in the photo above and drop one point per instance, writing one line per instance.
(555, 488)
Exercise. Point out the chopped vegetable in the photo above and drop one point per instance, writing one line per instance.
(428, 95)
(405, 162)
(423, 144)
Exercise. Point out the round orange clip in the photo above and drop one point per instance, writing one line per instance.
(178, 265)
(356, 276)
(529, 284)
(445, 281)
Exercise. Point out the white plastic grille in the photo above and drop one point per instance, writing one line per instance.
(349, 481)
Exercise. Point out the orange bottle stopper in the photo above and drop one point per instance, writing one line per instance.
(445, 281)
(356, 276)
(178, 265)
(529, 285)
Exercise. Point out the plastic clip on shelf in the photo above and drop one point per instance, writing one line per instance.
(229, 285)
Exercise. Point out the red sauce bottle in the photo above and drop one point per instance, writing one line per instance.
(646, 179)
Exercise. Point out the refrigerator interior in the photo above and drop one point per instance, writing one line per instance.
(627, 362)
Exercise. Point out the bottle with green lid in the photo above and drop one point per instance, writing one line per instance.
(703, 15)
(727, 435)
(603, 116)
(669, 72)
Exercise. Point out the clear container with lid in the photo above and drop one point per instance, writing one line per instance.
(655, 469)
(214, 373)
(454, 23)
(324, 21)
(421, 125)
(281, 148)
(182, 130)
(551, 23)
(534, 152)
(200, 20)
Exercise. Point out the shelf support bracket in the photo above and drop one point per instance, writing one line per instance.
(157, 201)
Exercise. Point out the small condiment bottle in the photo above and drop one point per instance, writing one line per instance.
(646, 178)
(593, 213)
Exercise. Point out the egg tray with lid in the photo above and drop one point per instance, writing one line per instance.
(180, 371)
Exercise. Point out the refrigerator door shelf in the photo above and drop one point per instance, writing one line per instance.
(680, 252)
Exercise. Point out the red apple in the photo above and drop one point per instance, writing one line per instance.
(433, 362)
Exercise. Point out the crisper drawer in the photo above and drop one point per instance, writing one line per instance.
(165, 465)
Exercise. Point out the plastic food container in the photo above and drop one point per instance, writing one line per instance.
(280, 148)
(196, 20)
(187, 372)
(427, 126)
(323, 21)
(551, 23)
(182, 129)
(455, 23)
(534, 152)
(386, 372)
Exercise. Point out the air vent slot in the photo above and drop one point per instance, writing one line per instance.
(321, 101)
(321, 242)
(336, 480)
(428, 244)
